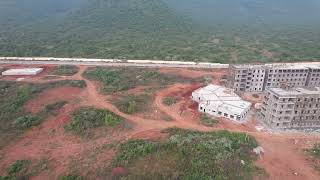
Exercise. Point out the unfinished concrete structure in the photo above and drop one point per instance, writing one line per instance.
(297, 108)
(286, 76)
(313, 76)
(221, 102)
(247, 77)
(22, 72)
(255, 78)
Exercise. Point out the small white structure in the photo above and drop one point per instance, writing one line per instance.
(22, 72)
(221, 102)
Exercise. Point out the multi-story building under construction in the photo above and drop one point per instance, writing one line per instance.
(255, 78)
(297, 108)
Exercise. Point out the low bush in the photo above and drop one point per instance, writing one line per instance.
(316, 150)
(18, 166)
(133, 149)
(208, 121)
(65, 70)
(133, 103)
(121, 79)
(71, 177)
(27, 121)
(169, 100)
(86, 118)
(190, 154)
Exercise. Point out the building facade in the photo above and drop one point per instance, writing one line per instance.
(255, 78)
(286, 76)
(221, 102)
(294, 108)
(247, 77)
(313, 76)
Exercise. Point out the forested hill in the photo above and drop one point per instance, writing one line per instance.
(201, 30)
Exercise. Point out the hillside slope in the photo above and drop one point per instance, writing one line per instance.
(206, 30)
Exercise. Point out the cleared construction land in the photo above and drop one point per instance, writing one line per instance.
(135, 123)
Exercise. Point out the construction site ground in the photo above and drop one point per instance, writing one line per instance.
(284, 156)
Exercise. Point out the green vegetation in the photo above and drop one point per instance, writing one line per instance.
(13, 95)
(316, 150)
(24, 169)
(71, 177)
(122, 79)
(27, 121)
(65, 70)
(133, 103)
(18, 166)
(17, 170)
(168, 101)
(190, 154)
(86, 118)
(162, 29)
(208, 121)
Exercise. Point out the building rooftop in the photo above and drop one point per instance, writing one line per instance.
(24, 71)
(313, 66)
(287, 66)
(221, 97)
(296, 91)
(241, 66)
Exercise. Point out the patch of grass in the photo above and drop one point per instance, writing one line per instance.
(188, 154)
(13, 95)
(133, 103)
(169, 100)
(17, 170)
(23, 169)
(18, 166)
(206, 79)
(208, 121)
(71, 177)
(121, 79)
(316, 150)
(133, 149)
(65, 70)
(27, 121)
(86, 118)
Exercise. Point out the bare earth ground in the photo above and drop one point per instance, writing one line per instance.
(283, 159)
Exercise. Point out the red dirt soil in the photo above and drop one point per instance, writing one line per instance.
(51, 96)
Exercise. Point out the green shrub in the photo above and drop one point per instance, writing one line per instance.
(190, 155)
(65, 70)
(112, 120)
(208, 121)
(169, 100)
(86, 118)
(133, 149)
(133, 103)
(121, 79)
(27, 121)
(18, 166)
(316, 149)
(52, 108)
(71, 177)
(23, 95)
